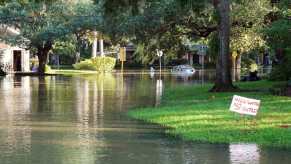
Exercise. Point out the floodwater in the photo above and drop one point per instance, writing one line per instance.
(82, 120)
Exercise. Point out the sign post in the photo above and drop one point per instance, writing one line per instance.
(122, 56)
(245, 106)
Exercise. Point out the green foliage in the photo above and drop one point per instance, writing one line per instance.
(87, 64)
(99, 64)
(279, 41)
(278, 34)
(165, 24)
(66, 47)
(43, 25)
(282, 71)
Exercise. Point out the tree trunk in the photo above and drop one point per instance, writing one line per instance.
(94, 45)
(101, 42)
(223, 82)
(79, 45)
(42, 53)
(238, 67)
(77, 57)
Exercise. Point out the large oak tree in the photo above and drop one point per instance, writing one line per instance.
(42, 23)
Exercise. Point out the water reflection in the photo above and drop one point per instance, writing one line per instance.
(159, 91)
(244, 153)
(72, 120)
(15, 139)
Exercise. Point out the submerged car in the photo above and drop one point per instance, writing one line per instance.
(183, 69)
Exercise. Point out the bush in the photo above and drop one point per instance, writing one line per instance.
(48, 69)
(100, 64)
(2, 73)
(5, 68)
(282, 70)
(85, 65)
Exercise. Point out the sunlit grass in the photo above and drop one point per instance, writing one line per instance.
(73, 72)
(195, 114)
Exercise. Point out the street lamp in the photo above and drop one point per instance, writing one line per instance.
(160, 54)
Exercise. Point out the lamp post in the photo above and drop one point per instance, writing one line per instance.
(160, 54)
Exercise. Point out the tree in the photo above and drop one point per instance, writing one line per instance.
(150, 21)
(42, 23)
(86, 18)
(280, 43)
(223, 80)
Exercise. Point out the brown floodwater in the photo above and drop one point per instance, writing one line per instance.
(82, 120)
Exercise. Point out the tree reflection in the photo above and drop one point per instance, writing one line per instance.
(15, 106)
(159, 91)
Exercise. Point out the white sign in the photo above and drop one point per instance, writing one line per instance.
(245, 105)
(159, 53)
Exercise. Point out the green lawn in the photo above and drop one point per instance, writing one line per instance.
(73, 72)
(195, 114)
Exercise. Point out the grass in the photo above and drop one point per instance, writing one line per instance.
(73, 72)
(193, 113)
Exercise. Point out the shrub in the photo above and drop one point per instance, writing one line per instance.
(48, 69)
(5, 68)
(2, 73)
(100, 64)
(282, 70)
(85, 65)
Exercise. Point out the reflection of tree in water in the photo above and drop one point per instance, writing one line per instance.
(86, 151)
(90, 103)
(15, 106)
(159, 91)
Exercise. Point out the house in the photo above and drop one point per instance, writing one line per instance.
(197, 54)
(14, 58)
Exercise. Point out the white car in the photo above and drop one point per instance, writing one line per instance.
(183, 69)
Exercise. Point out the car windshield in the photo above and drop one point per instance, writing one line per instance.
(182, 67)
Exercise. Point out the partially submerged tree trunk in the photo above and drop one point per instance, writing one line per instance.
(42, 53)
(223, 82)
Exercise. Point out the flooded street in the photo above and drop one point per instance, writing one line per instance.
(82, 120)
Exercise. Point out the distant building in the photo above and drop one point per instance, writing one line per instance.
(197, 54)
(14, 58)
(130, 50)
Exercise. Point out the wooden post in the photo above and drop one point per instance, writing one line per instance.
(122, 56)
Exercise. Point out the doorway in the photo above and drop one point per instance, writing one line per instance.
(17, 61)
